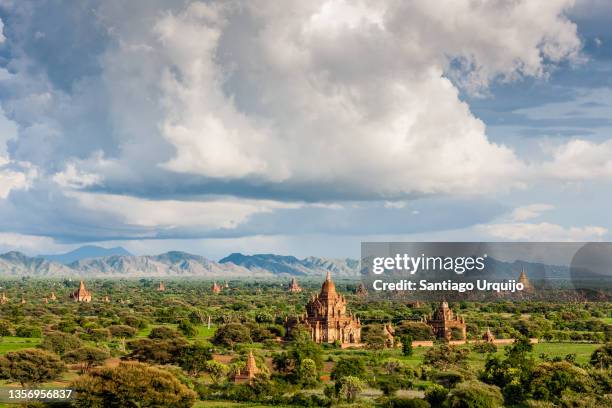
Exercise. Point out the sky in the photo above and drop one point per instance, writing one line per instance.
(241, 126)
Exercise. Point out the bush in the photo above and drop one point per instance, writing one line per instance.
(28, 331)
(115, 387)
(407, 403)
(474, 394)
(30, 366)
(231, 334)
(122, 330)
(435, 395)
(187, 328)
(60, 343)
(484, 348)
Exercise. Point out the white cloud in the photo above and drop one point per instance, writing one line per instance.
(332, 92)
(543, 232)
(530, 211)
(579, 160)
(71, 177)
(31, 244)
(220, 213)
(15, 176)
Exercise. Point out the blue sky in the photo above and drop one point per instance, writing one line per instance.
(217, 127)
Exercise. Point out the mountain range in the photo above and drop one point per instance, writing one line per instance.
(90, 262)
(169, 264)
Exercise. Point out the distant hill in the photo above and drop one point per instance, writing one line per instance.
(16, 264)
(89, 263)
(182, 264)
(86, 252)
(290, 265)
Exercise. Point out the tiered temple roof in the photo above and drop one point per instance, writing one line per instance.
(327, 319)
(443, 321)
(361, 290)
(216, 288)
(81, 294)
(250, 370)
(294, 287)
(527, 286)
(488, 336)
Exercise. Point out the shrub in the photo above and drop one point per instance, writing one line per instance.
(122, 330)
(28, 331)
(474, 394)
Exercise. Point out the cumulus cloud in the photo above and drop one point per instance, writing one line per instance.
(15, 176)
(543, 232)
(360, 88)
(530, 211)
(211, 214)
(359, 98)
(153, 122)
(579, 160)
(71, 177)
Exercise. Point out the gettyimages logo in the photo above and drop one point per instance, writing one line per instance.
(411, 264)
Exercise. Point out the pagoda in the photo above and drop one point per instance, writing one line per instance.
(216, 288)
(294, 287)
(488, 337)
(81, 294)
(361, 290)
(527, 286)
(249, 372)
(443, 321)
(161, 287)
(4, 300)
(53, 297)
(327, 319)
(106, 299)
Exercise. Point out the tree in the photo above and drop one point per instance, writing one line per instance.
(156, 351)
(308, 374)
(301, 348)
(230, 334)
(164, 333)
(30, 366)
(28, 331)
(122, 330)
(193, 358)
(60, 342)
(435, 395)
(549, 380)
(474, 394)
(374, 337)
(445, 356)
(187, 328)
(407, 349)
(351, 366)
(602, 357)
(416, 330)
(87, 357)
(131, 385)
(216, 370)
(350, 387)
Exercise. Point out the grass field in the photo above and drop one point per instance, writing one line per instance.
(17, 343)
(583, 353)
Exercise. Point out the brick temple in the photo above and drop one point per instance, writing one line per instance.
(443, 321)
(327, 319)
(81, 294)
